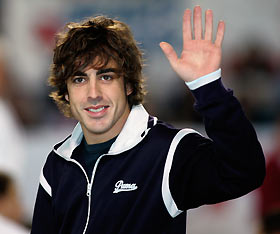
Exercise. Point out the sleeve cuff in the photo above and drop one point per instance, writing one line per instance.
(203, 80)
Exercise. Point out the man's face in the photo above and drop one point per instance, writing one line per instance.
(98, 100)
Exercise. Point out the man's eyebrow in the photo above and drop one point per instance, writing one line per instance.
(79, 73)
(106, 70)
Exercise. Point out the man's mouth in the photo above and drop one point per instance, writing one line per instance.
(96, 109)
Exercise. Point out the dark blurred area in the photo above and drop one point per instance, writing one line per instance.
(11, 215)
(31, 124)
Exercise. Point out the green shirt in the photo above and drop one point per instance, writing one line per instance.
(91, 153)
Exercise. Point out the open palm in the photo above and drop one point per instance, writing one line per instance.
(200, 56)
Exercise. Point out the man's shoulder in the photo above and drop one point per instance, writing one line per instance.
(53, 155)
(164, 130)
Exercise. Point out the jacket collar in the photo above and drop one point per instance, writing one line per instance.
(134, 130)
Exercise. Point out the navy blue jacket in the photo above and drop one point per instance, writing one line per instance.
(153, 173)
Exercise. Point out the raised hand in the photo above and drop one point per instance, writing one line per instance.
(200, 55)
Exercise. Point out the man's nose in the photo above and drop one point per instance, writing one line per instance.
(94, 92)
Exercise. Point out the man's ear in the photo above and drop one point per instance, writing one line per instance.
(66, 96)
(129, 89)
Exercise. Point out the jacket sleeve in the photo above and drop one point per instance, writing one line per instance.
(228, 164)
(43, 220)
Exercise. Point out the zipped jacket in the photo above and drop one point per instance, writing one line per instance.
(153, 172)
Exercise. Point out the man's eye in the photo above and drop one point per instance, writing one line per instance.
(106, 77)
(78, 80)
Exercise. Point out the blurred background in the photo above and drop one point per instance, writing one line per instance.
(30, 123)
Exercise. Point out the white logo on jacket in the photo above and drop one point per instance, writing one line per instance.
(120, 186)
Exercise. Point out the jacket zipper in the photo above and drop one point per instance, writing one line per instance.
(89, 186)
(88, 193)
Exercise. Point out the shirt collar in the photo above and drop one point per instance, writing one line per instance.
(134, 130)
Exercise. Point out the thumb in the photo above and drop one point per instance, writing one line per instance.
(169, 53)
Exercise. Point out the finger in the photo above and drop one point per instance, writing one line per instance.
(208, 25)
(169, 53)
(220, 34)
(197, 24)
(187, 25)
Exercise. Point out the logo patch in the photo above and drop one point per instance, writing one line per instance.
(120, 186)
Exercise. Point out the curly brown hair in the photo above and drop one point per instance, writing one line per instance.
(79, 44)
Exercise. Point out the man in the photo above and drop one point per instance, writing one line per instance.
(122, 170)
